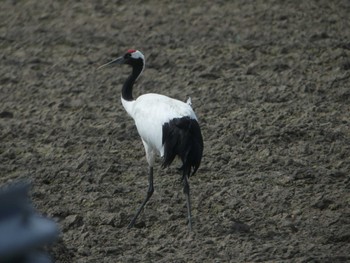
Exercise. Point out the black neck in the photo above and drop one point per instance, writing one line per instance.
(129, 83)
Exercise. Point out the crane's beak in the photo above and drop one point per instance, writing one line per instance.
(119, 60)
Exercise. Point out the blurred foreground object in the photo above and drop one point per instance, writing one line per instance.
(23, 232)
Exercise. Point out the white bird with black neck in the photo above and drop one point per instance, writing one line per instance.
(167, 127)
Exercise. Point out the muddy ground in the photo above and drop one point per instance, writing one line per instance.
(269, 81)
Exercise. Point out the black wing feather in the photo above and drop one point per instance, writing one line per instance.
(182, 137)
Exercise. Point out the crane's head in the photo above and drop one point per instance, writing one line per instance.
(132, 57)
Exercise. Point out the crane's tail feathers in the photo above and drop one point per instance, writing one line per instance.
(182, 137)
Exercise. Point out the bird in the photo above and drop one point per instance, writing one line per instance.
(168, 128)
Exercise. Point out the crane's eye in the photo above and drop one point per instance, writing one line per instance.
(127, 55)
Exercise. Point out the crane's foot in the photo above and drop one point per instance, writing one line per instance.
(131, 224)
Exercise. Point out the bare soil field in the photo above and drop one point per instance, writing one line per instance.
(269, 81)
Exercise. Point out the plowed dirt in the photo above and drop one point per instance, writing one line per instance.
(269, 81)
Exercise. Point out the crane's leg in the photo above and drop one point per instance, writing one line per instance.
(188, 201)
(148, 196)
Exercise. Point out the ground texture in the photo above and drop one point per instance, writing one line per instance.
(269, 81)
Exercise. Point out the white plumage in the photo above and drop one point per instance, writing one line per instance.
(150, 112)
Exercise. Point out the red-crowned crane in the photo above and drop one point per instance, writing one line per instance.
(168, 127)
